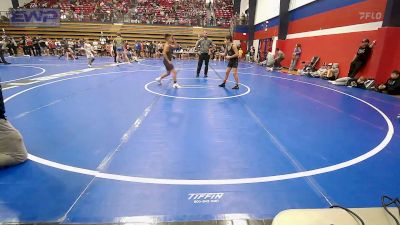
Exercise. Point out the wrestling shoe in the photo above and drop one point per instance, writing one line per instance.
(176, 85)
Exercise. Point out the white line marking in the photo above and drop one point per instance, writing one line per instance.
(200, 98)
(338, 30)
(125, 137)
(288, 176)
(36, 67)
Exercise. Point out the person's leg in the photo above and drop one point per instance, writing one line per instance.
(199, 65)
(294, 63)
(115, 54)
(207, 59)
(278, 64)
(32, 49)
(227, 73)
(235, 75)
(341, 81)
(118, 56)
(164, 75)
(351, 70)
(39, 51)
(3, 60)
(10, 50)
(357, 67)
(173, 71)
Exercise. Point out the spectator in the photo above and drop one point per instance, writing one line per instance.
(3, 47)
(361, 58)
(279, 57)
(392, 85)
(331, 73)
(269, 60)
(296, 56)
(358, 83)
(240, 53)
(252, 54)
(12, 148)
(138, 49)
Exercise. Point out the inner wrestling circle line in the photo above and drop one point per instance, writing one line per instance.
(201, 98)
(30, 76)
(287, 176)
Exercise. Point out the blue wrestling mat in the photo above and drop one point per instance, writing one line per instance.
(110, 145)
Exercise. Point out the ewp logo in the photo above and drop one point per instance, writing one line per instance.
(35, 17)
(205, 197)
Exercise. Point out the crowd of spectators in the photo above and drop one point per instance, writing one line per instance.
(166, 12)
(190, 12)
(39, 46)
(330, 71)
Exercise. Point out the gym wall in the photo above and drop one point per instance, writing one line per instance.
(333, 30)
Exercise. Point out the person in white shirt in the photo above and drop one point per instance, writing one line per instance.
(89, 53)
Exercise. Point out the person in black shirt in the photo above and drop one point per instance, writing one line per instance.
(232, 54)
(37, 51)
(392, 85)
(361, 58)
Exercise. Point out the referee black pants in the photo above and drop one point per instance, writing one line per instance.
(203, 57)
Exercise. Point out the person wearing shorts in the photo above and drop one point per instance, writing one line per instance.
(167, 54)
(232, 55)
(119, 47)
(89, 53)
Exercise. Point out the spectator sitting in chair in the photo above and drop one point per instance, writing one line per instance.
(269, 60)
(12, 148)
(331, 73)
(279, 57)
(392, 85)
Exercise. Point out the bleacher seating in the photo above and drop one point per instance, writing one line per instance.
(167, 12)
(186, 36)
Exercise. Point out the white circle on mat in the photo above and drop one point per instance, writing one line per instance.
(288, 176)
(22, 78)
(248, 90)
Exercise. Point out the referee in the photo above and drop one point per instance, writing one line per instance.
(203, 46)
